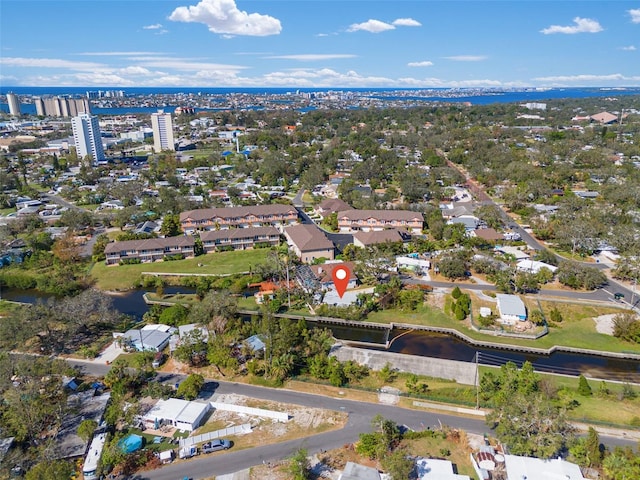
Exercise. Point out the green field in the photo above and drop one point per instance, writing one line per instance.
(578, 330)
(125, 277)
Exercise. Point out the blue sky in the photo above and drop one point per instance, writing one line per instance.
(319, 43)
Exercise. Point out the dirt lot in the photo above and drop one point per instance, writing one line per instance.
(303, 421)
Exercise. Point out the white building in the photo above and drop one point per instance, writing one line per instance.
(86, 137)
(511, 308)
(181, 414)
(14, 104)
(162, 131)
(433, 469)
(533, 266)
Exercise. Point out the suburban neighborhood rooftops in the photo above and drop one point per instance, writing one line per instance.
(150, 244)
(236, 233)
(388, 215)
(380, 236)
(308, 238)
(238, 212)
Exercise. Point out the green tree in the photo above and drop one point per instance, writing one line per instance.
(50, 470)
(584, 388)
(524, 417)
(86, 429)
(387, 373)
(398, 464)
(193, 349)
(171, 225)
(190, 386)
(299, 467)
(174, 315)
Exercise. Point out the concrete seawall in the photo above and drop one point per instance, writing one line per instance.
(461, 372)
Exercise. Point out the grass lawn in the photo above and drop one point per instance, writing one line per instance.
(125, 277)
(577, 330)
(609, 408)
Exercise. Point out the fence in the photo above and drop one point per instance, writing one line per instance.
(225, 432)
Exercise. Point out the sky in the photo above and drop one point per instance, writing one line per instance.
(320, 43)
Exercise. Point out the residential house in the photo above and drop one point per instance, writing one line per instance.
(239, 238)
(367, 239)
(149, 250)
(489, 463)
(533, 266)
(604, 118)
(355, 471)
(275, 215)
(175, 412)
(309, 243)
(324, 274)
(511, 308)
(331, 205)
(372, 220)
(470, 222)
(152, 338)
(435, 469)
(488, 234)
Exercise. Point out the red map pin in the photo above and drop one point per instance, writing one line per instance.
(341, 277)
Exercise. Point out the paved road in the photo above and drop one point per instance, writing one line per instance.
(600, 295)
(359, 421)
(631, 299)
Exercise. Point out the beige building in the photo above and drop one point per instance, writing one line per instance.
(149, 250)
(309, 243)
(239, 238)
(162, 127)
(373, 220)
(275, 215)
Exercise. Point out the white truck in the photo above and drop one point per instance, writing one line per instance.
(188, 452)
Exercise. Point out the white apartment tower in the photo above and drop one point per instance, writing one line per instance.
(86, 137)
(14, 104)
(162, 131)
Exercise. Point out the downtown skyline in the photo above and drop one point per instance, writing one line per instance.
(322, 43)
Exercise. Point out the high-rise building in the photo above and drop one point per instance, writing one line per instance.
(61, 106)
(86, 137)
(14, 104)
(162, 131)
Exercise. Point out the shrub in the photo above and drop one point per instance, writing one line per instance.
(584, 388)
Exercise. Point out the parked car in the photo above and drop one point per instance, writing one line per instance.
(215, 445)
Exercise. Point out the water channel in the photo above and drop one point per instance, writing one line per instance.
(425, 344)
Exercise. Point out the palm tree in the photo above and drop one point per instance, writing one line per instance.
(281, 367)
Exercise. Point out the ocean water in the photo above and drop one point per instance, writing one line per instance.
(473, 96)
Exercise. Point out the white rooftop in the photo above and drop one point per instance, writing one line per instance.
(538, 469)
(177, 410)
(433, 469)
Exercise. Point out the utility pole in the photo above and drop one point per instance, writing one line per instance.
(477, 382)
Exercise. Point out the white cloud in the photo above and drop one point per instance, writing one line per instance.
(629, 48)
(222, 16)
(372, 26)
(635, 15)
(581, 25)
(467, 58)
(135, 70)
(426, 63)
(117, 54)
(48, 63)
(306, 57)
(584, 79)
(406, 22)
(185, 64)
(156, 26)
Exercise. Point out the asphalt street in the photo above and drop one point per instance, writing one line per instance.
(360, 415)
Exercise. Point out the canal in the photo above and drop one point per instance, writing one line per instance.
(425, 344)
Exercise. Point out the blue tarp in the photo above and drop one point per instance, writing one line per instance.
(131, 443)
